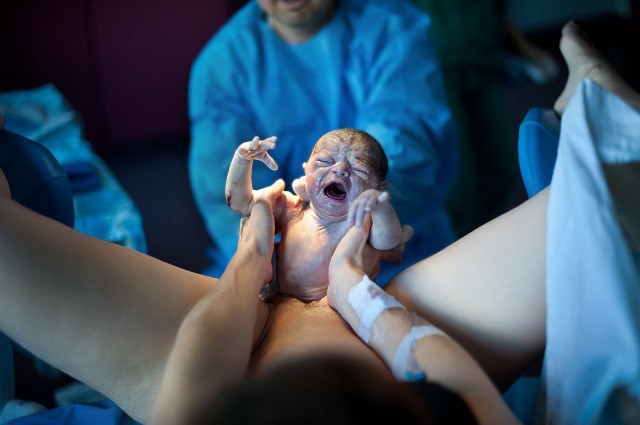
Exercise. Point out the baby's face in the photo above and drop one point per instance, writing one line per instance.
(336, 174)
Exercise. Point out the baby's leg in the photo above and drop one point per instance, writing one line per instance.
(585, 61)
(104, 314)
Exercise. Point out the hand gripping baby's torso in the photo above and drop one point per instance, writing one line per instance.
(305, 251)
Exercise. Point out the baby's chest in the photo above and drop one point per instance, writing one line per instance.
(307, 247)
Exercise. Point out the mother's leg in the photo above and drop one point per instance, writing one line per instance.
(585, 61)
(487, 290)
(104, 314)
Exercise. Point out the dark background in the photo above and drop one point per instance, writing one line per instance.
(123, 65)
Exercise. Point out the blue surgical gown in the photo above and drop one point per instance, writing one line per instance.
(372, 67)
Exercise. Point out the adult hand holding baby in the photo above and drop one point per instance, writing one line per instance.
(353, 253)
(347, 264)
(259, 227)
(376, 203)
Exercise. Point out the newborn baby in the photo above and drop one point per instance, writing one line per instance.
(344, 179)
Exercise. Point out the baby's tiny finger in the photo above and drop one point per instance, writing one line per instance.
(266, 145)
(254, 143)
(407, 233)
(371, 203)
(269, 162)
(351, 215)
(365, 205)
(353, 211)
(360, 213)
(384, 197)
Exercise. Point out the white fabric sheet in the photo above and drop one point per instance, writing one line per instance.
(592, 361)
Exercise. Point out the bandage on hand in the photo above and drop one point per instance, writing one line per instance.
(396, 339)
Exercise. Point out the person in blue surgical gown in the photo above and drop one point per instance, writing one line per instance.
(297, 69)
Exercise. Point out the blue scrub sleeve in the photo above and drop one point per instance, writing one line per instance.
(405, 108)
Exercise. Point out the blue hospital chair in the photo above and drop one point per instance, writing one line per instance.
(36, 181)
(538, 148)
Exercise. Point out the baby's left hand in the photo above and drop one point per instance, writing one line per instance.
(368, 201)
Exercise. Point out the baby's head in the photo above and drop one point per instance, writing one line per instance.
(343, 164)
(356, 140)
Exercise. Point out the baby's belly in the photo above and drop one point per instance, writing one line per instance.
(300, 329)
(303, 269)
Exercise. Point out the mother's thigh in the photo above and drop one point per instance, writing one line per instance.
(102, 313)
(488, 290)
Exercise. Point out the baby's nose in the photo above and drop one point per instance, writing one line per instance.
(341, 169)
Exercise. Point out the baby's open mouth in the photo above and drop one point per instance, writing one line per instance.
(335, 191)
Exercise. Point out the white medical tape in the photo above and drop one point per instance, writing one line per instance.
(405, 366)
(369, 300)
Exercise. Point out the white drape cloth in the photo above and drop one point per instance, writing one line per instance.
(591, 370)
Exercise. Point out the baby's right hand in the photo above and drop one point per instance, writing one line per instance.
(257, 149)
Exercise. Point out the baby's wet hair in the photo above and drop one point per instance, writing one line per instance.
(354, 136)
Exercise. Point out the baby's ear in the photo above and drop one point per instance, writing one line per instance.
(383, 185)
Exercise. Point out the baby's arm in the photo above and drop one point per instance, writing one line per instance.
(385, 230)
(239, 189)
